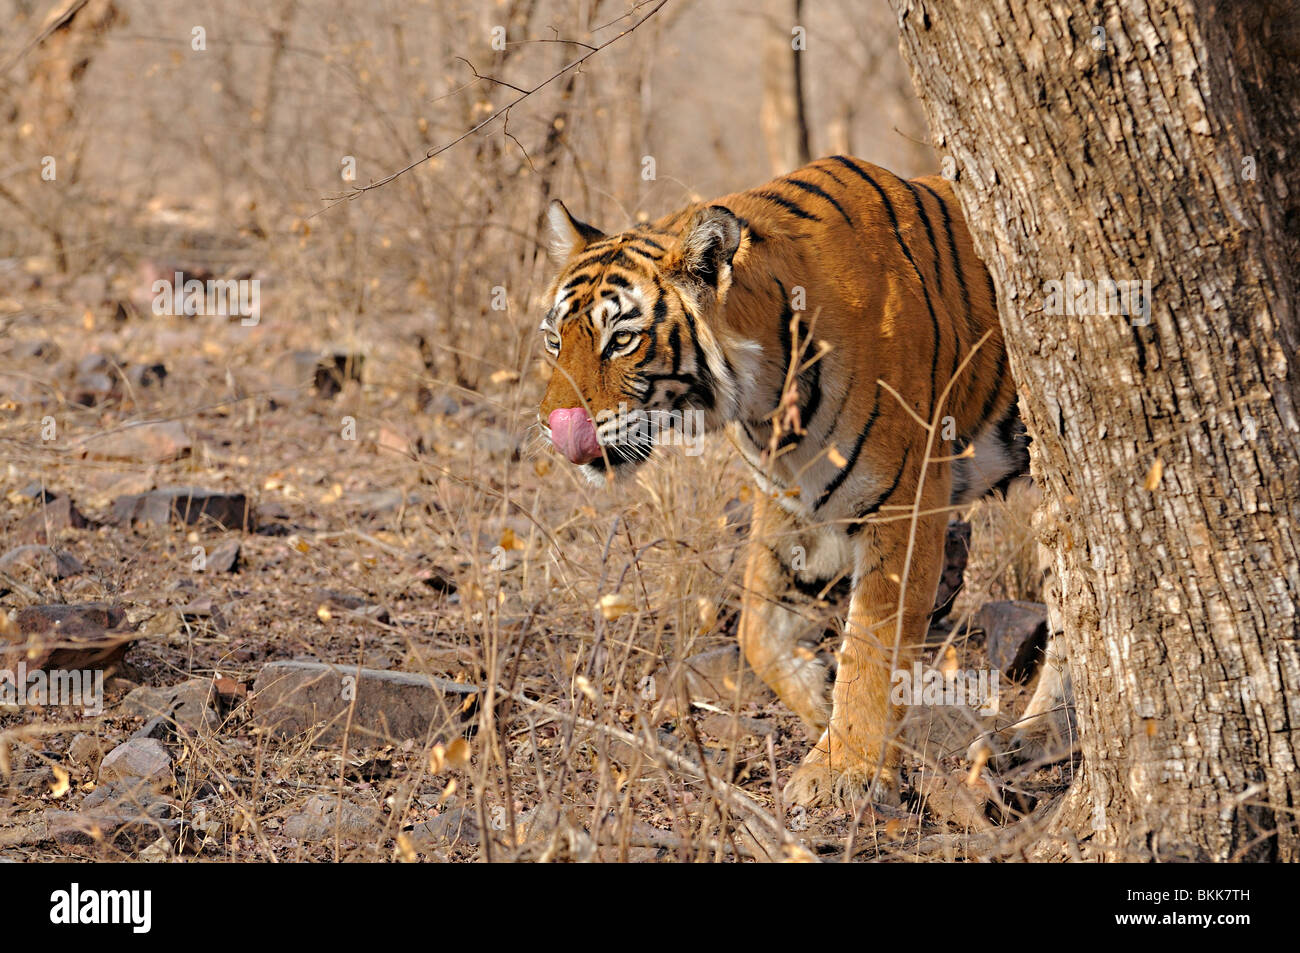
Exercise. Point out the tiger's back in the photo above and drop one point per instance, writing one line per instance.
(892, 284)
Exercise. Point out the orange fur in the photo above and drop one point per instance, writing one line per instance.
(822, 316)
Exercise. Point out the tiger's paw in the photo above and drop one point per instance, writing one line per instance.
(817, 784)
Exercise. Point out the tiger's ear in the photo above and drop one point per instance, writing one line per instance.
(568, 235)
(706, 248)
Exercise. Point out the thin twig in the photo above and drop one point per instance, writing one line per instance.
(357, 191)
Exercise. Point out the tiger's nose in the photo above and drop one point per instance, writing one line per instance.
(574, 435)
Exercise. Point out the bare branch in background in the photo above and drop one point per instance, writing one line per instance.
(357, 191)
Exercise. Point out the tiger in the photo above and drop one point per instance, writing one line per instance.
(839, 324)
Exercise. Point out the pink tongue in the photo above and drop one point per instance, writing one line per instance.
(574, 435)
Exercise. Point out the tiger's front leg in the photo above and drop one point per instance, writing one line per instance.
(857, 756)
(777, 627)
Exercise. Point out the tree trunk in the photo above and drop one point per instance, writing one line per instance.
(1149, 140)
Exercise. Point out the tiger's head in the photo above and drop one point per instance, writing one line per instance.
(639, 353)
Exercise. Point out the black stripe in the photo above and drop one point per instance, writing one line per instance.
(952, 247)
(808, 386)
(618, 281)
(929, 233)
(811, 380)
(925, 289)
(829, 174)
(819, 191)
(704, 388)
(652, 256)
(857, 526)
(852, 459)
(938, 272)
(992, 399)
(792, 207)
(660, 315)
(957, 268)
(576, 280)
(754, 237)
(607, 257)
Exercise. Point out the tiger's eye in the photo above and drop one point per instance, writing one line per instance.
(553, 341)
(623, 339)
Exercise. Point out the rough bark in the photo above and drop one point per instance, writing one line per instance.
(1167, 451)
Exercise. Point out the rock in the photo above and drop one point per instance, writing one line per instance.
(718, 677)
(49, 520)
(458, 826)
(325, 373)
(439, 580)
(738, 729)
(549, 827)
(34, 559)
(146, 375)
(291, 698)
(96, 363)
(157, 728)
(47, 351)
(142, 758)
(187, 705)
(334, 370)
(33, 781)
(126, 814)
(85, 635)
(382, 503)
(36, 492)
(95, 380)
(1015, 634)
(224, 557)
(294, 373)
(186, 505)
(101, 488)
(950, 799)
(323, 814)
(146, 443)
(87, 751)
(70, 618)
(161, 623)
(337, 602)
(160, 851)
(390, 440)
(230, 691)
(641, 756)
(124, 830)
(204, 608)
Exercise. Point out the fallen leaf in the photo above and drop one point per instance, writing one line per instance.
(60, 786)
(614, 605)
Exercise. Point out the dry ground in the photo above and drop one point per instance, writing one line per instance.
(440, 484)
